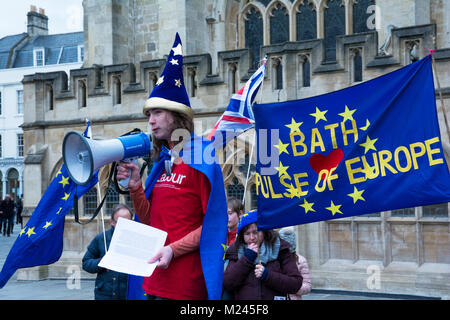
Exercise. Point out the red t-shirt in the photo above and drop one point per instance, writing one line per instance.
(177, 205)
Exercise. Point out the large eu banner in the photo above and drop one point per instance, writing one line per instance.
(372, 147)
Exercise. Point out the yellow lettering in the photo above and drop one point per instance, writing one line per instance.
(294, 143)
(371, 171)
(385, 157)
(332, 128)
(331, 177)
(273, 194)
(259, 183)
(299, 184)
(346, 132)
(407, 157)
(351, 172)
(430, 151)
(414, 154)
(285, 184)
(315, 134)
(324, 184)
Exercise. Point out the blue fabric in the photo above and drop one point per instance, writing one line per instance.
(170, 88)
(40, 242)
(371, 147)
(199, 155)
(246, 219)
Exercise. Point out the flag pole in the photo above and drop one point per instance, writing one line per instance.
(254, 144)
(440, 92)
(99, 197)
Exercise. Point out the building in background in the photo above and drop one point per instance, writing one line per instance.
(34, 51)
(313, 47)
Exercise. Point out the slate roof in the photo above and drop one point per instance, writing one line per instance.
(56, 46)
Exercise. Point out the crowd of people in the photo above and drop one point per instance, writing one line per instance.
(10, 214)
(180, 198)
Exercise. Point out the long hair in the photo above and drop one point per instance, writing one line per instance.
(269, 236)
(181, 121)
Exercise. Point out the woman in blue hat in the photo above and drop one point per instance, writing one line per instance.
(260, 264)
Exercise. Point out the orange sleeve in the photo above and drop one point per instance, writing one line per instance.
(140, 204)
(188, 243)
(191, 241)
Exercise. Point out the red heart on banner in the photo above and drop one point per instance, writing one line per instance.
(319, 161)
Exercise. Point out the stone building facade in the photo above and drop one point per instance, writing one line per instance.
(313, 47)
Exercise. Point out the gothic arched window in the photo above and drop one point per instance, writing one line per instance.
(357, 67)
(90, 201)
(279, 24)
(360, 15)
(306, 19)
(253, 196)
(235, 190)
(253, 35)
(264, 2)
(306, 72)
(334, 18)
(277, 74)
(112, 198)
(82, 94)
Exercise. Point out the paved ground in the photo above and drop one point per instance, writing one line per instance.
(61, 290)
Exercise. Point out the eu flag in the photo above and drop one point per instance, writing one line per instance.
(372, 147)
(40, 242)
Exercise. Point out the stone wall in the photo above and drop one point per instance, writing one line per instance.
(383, 253)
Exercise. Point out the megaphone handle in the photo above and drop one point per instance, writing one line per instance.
(124, 183)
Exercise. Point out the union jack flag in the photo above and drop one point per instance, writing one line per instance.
(238, 117)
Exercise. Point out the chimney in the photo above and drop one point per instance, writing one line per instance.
(37, 22)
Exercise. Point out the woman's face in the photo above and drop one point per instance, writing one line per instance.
(252, 235)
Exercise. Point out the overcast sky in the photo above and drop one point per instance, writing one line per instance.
(63, 15)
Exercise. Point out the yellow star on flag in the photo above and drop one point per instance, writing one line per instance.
(22, 231)
(66, 196)
(334, 208)
(281, 169)
(64, 181)
(369, 144)
(30, 232)
(294, 126)
(366, 126)
(282, 147)
(319, 115)
(224, 246)
(173, 61)
(347, 114)
(47, 224)
(59, 210)
(59, 172)
(308, 206)
(356, 195)
(178, 82)
(293, 192)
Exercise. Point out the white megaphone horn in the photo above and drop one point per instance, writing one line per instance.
(83, 156)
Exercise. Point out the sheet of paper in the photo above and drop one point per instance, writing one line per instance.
(133, 244)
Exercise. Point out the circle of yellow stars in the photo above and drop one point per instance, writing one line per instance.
(32, 230)
(318, 115)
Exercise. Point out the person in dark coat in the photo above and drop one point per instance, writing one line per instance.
(260, 264)
(109, 284)
(8, 209)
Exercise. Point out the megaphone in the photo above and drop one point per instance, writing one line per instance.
(83, 156)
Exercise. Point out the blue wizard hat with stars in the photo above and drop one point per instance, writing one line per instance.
(169, 92)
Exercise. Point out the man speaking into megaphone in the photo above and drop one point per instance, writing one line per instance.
(185, 199)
